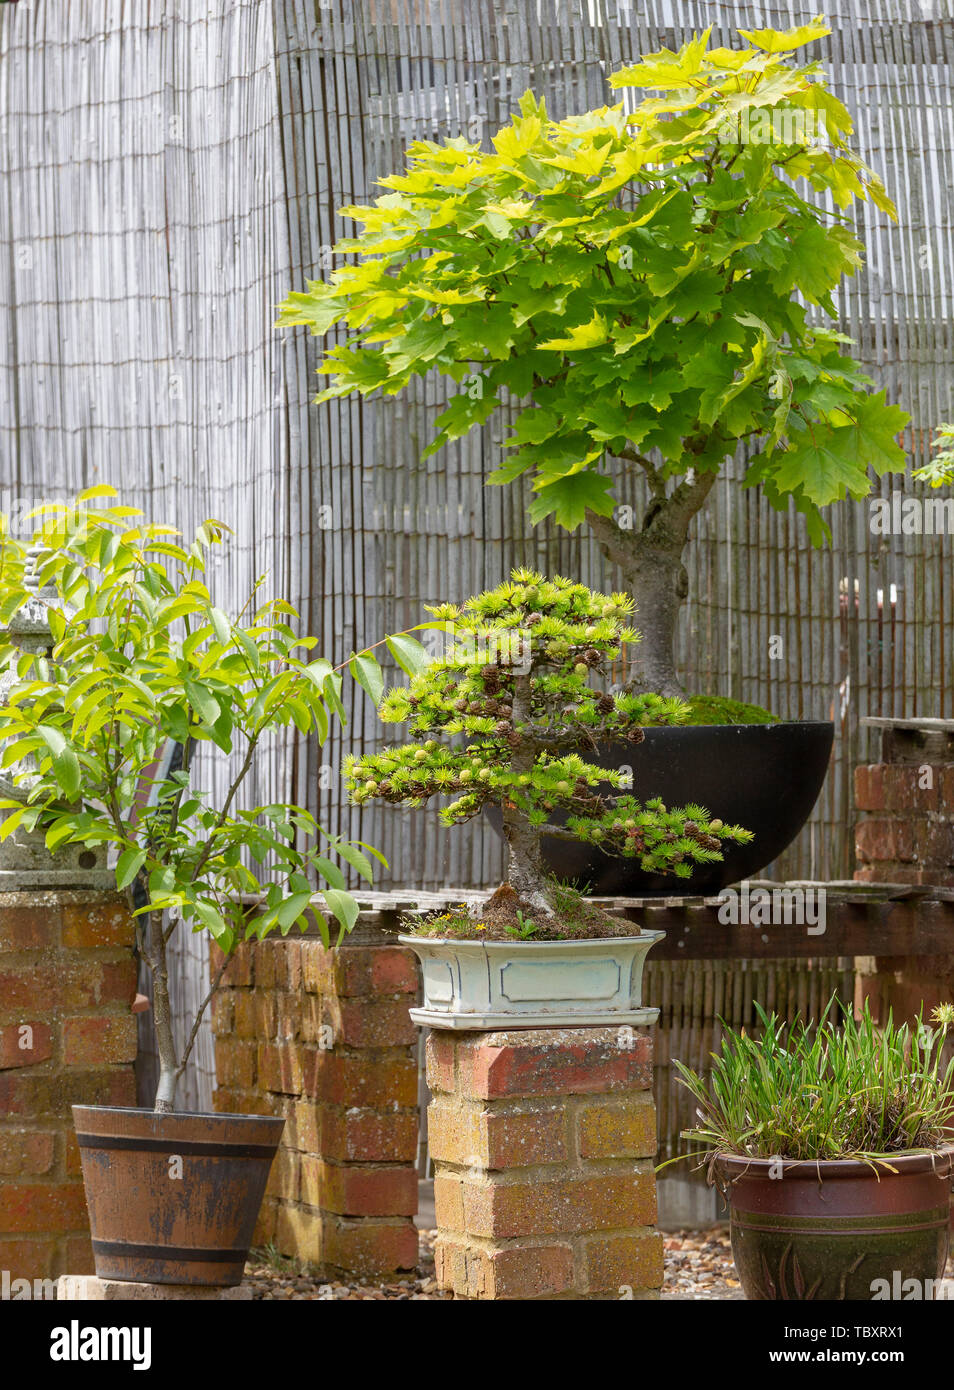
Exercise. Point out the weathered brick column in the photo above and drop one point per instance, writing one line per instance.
(324, 1038)
(542, 1142)
(907, 834)
(907, 837)
(67, 980)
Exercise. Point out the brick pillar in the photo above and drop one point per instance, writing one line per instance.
(906, 836)
(542, 1142)
(324, 1038)
(67, 979)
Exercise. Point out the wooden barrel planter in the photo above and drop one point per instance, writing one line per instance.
(833, 1229)
(173, 1199)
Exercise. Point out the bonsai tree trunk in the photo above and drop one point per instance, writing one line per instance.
(650, 561)
(525, 873)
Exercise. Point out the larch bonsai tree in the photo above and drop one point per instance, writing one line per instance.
(142, 658)
(651, 285)
(511, 698)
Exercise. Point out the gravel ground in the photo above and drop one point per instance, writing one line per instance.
(698, 1265)
(273, 1277)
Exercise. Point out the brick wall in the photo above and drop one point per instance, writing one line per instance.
(907, 834)
(542, 1142)
(67, 979)
(324, 1039)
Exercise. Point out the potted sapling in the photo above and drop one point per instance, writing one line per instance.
(496, 721)
(129, 654)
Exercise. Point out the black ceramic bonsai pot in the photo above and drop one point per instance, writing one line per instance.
(765, 777)
(838, 1229)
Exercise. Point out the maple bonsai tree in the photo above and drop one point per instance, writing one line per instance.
(511, 698)
(651, 286)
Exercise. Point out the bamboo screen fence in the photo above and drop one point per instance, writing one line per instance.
(169, 170)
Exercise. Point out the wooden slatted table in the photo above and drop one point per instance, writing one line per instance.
(860, 919)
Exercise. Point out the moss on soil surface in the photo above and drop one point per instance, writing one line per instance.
(716, 709)
(497, 920)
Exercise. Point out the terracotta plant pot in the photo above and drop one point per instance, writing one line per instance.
(836, 1229)
(173, 1199)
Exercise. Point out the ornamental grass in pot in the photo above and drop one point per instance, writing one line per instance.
(831, 1147)
(497, 721)
(141, 661)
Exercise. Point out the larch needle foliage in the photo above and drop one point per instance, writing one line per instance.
(652, 284)
(500, 717)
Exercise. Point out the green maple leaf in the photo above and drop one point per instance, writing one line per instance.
(872, 438)
(462, 413)
(667, 433)
(567, 499)
(607, 419)
(784, 40)
(647, 387)
(514, 466)
(530, 303)
(354, 369)
(534, 426)
(423, 342)
(319, 310)
(827, 461)
(819, 467)
(665, 69)
(940, 471)
(817, 259)
(584, 335)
